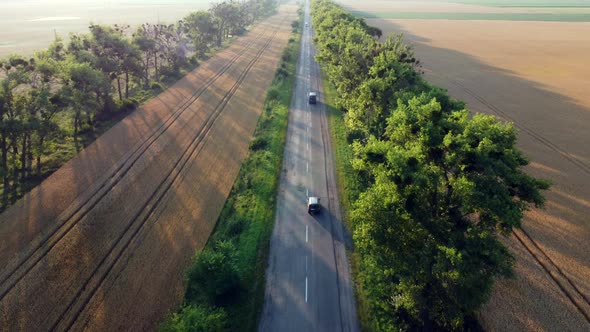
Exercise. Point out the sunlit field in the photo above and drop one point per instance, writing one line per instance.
(30, 25)
(527, 63)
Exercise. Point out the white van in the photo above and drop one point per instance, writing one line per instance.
(313, 205)
(313, 97)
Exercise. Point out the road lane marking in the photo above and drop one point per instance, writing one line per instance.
(306, 241)
(305, 289)
(308, 167)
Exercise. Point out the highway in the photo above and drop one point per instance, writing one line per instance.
(308, 280)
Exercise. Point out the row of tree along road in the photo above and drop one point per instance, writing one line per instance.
(433, 190)
(59, 100)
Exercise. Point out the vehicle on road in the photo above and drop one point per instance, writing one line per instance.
(313, 205)
(313, 97)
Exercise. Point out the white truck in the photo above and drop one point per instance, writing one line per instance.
(313, 205)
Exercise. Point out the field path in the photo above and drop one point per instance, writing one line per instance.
(102, 244)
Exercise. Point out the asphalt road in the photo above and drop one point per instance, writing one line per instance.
(308, 279)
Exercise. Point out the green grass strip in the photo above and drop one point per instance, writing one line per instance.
(248, 216)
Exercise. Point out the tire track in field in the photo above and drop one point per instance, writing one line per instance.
(76, 213)
(548, 143)
(563, 282)
(84, 295)
(576, 297)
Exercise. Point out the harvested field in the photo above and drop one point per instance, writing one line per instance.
(102, 244)
(536, 75)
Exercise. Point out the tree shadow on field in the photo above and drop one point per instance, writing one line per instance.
(44, 203)
(128, 246)
(153, 269)
(511, 308)
(552, 132)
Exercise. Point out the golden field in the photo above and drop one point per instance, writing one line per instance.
(536, 75)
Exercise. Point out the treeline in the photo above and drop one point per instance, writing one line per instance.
(52, 103)
(435, 187)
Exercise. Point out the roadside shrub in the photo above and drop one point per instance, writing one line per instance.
(258, 143)
(213, 277)
(196, 318)
(273, 93)
(287, 55)
(281, 73)
(170, 75)
(109, 107)
(156, 87)
(128, 105)
(270, 107)
(235, 227)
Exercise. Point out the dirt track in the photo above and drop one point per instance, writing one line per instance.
(102, 244)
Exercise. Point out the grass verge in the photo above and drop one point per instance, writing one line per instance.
(225, 286)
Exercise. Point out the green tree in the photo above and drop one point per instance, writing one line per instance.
(45, 101)
(389, 77)
(16, 74)
(228, 18)
(213, 276)
(196, 318)
(220, 13)
(55, 51)
(200, 27)
(114, 55)
(171, 43)
(145, 41)
(445, 186)
(86, 49)
(45, 106)
(82, 84)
